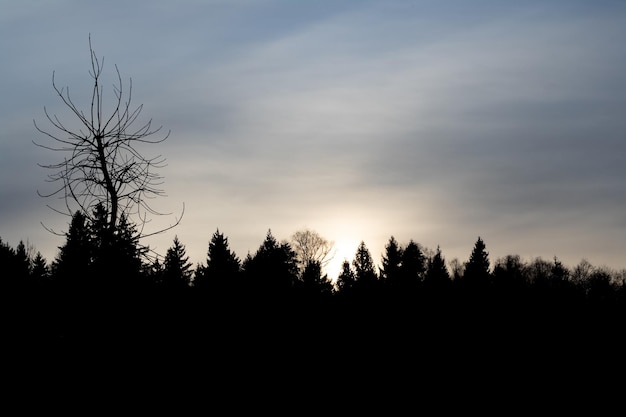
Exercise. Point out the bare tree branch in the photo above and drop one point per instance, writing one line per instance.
(310, 246)
(103, 162)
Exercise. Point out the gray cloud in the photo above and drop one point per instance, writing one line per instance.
(422, 120)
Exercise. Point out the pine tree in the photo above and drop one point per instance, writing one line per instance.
(273, 269)
(413, 266)
(477, 272)
(154, 273)
(364, 271)
(7, 267)
(437, 276)
(346, 279)
(391, 269)
(177, 270)
(71, 266)
(22, 258)
(559, 271)
(313, 283)
(116, 257)
(40, 272)
(222, 266)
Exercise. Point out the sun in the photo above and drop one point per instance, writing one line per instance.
(346, 232)
(343, 249)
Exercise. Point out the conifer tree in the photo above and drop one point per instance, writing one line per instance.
(23, 261)
(390, 272)
(222, 265)
(364, 271)
(154, 272)
(437, 275)
(413, 266)
(116, 257)
(346, 279)
(313, 283)
(477, 272)
(71, 266)
(40, 272)
(177, 270)
(273, 269)
(559, 271)
(8, 266)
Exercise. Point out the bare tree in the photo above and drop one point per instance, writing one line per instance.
(310, 246)
(102, 164)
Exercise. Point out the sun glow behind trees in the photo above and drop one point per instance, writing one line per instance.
(345, 248)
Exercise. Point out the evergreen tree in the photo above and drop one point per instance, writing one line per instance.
(177, 270)
(8, 266)
(154, 272)
(70, 268)
(40, 272)
(313, 283)
(559, 271)
(273, 269)
(412, 267)
(101, 235)
(222, 265)
(128, 253)
(22, 259)
(364, 271)
(562, 286)
(346, 279)
(477, 272)
(391, 269)
(116, 257)
(437, 275)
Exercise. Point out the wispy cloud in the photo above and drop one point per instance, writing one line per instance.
(437, 122)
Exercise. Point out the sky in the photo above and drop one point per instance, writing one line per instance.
(433, 121)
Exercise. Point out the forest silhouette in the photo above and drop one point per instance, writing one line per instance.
(107, 289)
(107, 309)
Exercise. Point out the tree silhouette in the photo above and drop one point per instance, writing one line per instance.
(40, 271)
(477, 272)
(104, 165)
(8, 267)
(153, 272)
(437, 275)
(346, 279)
(413, 266)
(364, 270)
(273, 269)
(313, 283)
(391, 269)
(510, 276)
(599, 287)
(309, 247)
(22, 259)
(177, 270)
(71, 266)
(222, 266)
(116, 254)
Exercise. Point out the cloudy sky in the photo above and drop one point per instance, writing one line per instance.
(438, 121)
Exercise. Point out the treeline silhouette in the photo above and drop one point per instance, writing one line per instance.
(105, 290)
